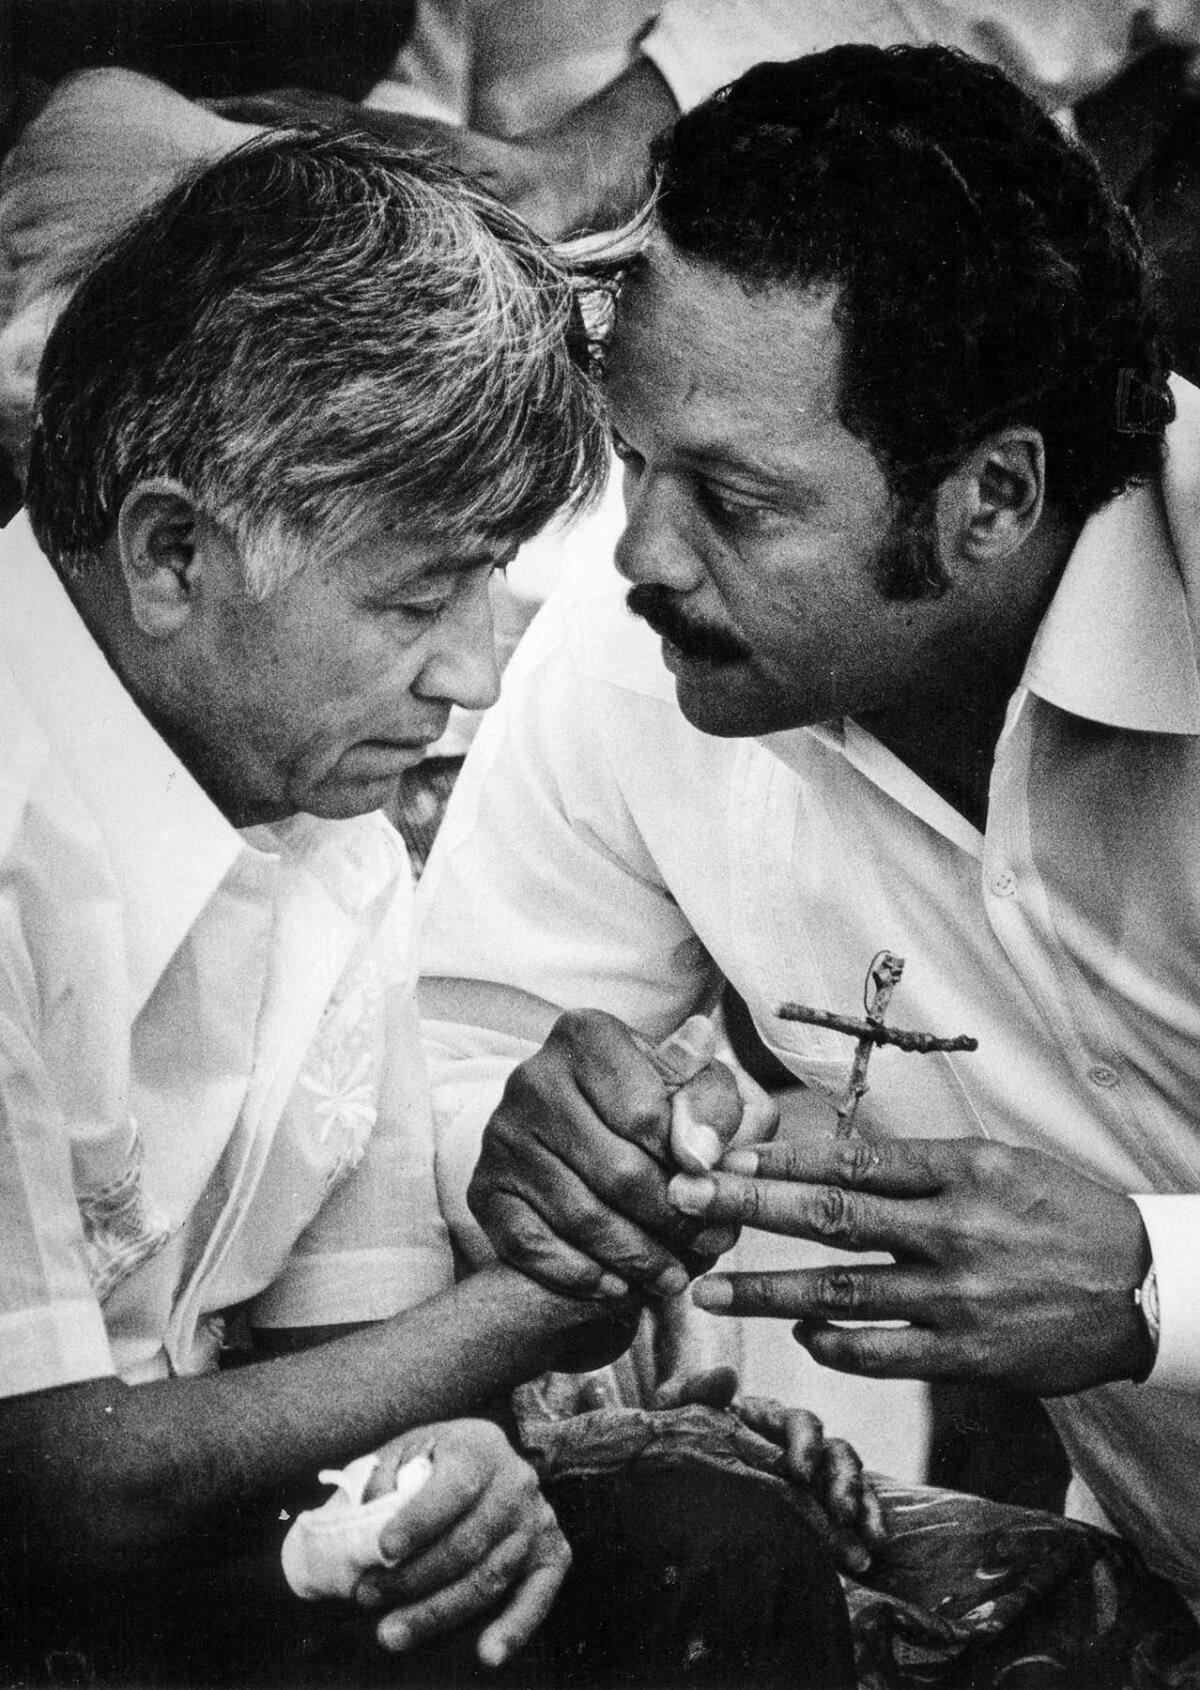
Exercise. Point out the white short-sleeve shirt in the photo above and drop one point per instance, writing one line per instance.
(211, 1086)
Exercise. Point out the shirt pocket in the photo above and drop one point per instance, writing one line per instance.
(820, 1059)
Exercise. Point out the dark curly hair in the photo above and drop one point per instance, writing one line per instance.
(985, 274)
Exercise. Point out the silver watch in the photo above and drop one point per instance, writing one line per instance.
(1146, 1300)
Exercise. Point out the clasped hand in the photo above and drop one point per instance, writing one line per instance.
(571, 1182)
(1009, 1265)
(477, 1538)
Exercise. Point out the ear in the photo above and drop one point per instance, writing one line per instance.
(993, 501)
(156, 537)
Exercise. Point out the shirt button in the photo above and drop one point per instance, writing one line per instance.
(1004, 884)
(1102, 1076)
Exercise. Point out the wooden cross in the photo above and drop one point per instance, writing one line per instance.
(883, 977)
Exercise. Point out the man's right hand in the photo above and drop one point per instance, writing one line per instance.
(571, 1182)
(478, 1537)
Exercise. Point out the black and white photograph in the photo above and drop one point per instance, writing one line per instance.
(600, 844)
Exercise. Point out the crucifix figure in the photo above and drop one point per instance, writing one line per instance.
(883, 977)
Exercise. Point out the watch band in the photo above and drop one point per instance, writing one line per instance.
(1146, 1300)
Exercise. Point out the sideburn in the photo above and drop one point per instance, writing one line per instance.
(906, 564)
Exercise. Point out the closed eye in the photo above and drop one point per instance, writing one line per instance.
(726, 510)
(622, 450)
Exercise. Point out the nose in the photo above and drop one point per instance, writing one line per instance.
(655, 547)
(461, 667)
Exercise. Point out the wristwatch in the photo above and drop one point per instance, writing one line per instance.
(1146, 1300)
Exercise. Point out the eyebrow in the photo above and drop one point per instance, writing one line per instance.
(716, 456)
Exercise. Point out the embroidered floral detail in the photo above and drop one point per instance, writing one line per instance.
(344, 1096)
(341, 1075)
(120, 1229)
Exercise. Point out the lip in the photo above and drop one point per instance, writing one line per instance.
(675, 658)
(389, 755)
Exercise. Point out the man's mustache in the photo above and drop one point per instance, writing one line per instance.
(701, 640)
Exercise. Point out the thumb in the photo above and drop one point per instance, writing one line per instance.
(705, 1114)
(760, 1112)
(714, 1387)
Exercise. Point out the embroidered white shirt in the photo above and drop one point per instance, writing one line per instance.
(211, 1087)
(600, 851)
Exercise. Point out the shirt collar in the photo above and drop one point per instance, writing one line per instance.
(1118, 644)
(168, 844)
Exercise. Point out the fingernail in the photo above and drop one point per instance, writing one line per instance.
(857, 1558)
(713, 1241)
(691, 1194)
(393, 1633)
(695, 1147)
(694, 1144)
(611, 1287)
(368, 1594)
(714, 1292)
(671, 1281)
(492, 1652)
(740, 1162)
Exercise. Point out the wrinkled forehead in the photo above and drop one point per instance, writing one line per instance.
(390, 556)
(700, 359)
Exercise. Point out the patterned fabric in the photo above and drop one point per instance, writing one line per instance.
(212, 1091)
(966, 1592)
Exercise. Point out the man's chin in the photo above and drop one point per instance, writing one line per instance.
(341, 803)
(712, 707)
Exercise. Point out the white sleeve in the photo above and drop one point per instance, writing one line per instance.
(52, 1329)
(1058, 52)
(468, 1066)
(1173, 1227)
(432, 75)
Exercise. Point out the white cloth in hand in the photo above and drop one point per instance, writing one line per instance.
(328, 1549)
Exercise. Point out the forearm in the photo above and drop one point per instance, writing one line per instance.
(597, 159)
(1059, 53)
(110, 1475)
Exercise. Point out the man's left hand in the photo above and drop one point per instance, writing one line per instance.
(1009, 1265)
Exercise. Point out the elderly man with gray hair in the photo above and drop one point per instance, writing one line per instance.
(286, 429)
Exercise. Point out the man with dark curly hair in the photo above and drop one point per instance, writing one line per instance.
(912, 513)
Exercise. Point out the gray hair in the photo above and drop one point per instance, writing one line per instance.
(320, 336)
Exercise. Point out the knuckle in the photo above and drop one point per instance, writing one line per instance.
(803, 1422)
(838, 1291)
(528, 1491)
(857, 1161)
(835, 1215)
(646, 1116)
(497, 1571)
(473, 1542)
(843, 1455)
(976, 1354)
(517, 1234)
(521, 1090)
(742, 1199)
(988, 1162)
(574, 1027)
(489, 1435)
(629, 1176)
